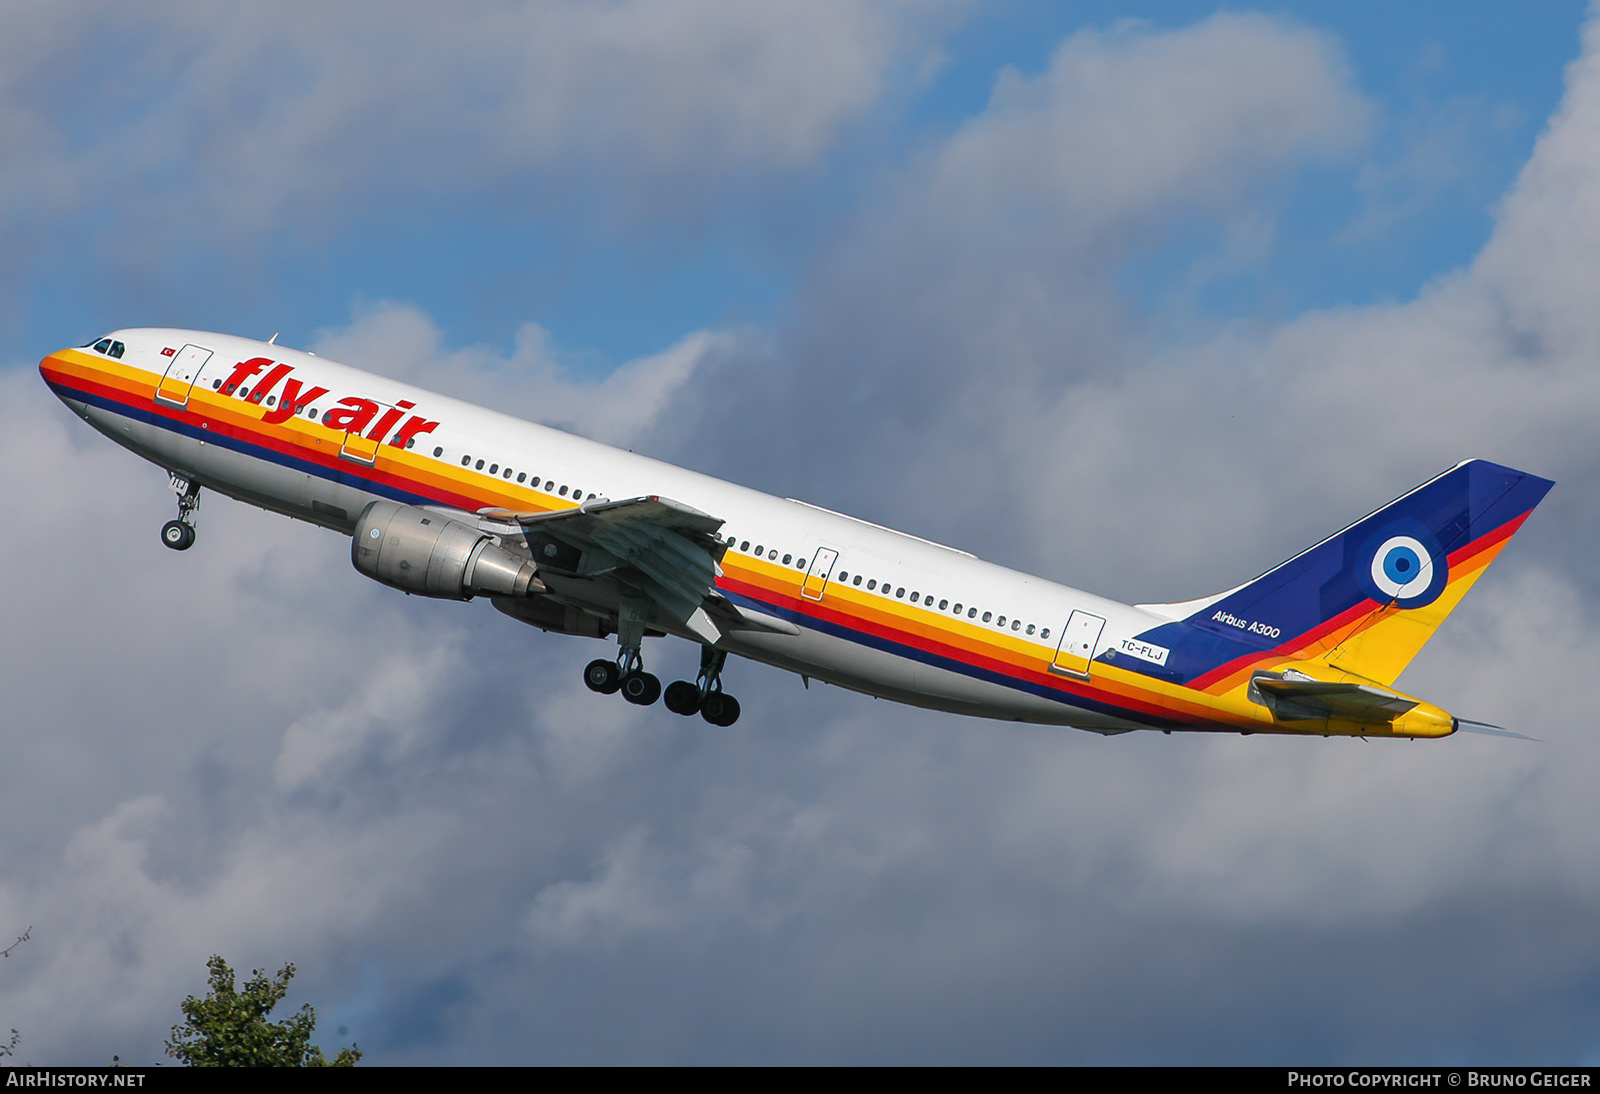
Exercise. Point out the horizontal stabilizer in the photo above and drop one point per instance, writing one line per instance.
(1306, 700)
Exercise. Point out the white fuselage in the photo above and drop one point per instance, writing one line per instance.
(895, 616)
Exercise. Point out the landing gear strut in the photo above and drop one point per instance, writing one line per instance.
(627, 673)
(179, 534)
(705, 696)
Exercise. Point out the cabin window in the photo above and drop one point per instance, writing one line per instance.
(958, 609)
(745, 546)
(1001, 621)
(478, 466)
(759, 550)
(872, 583)
(437, 452)
(856, 580)
(972, 613)
(1045, 633)
(787, 559)
(563, 491)
(913, 598)
(1015, 624)
(772, 555)
(465, 460)
(943, 604)
(799, 564)
(843, 576)
(988, 616)
(521, 475)
(900, 592)
(217, 383)
(507, 473)
(1030, 628)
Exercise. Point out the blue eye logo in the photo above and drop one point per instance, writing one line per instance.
(1402, 567)
(1405, 569)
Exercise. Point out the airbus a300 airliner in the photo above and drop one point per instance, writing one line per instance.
(445, 499)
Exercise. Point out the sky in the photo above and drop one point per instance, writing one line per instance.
(1143, 300)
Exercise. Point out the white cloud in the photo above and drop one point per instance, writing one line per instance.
(621, 408)
(221, 123)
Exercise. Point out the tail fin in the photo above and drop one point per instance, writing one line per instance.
(1367, 599)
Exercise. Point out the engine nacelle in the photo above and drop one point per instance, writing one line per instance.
(431, 555)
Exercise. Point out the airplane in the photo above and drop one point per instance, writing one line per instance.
(448, 500)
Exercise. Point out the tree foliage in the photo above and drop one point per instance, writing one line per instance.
(229, 1028)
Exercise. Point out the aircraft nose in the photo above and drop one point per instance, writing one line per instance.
(58, 376)
(50, 369)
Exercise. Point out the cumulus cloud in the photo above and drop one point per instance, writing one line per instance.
(245, 117)
(622, 408)
(983, 290)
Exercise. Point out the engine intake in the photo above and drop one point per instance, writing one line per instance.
(428, 554)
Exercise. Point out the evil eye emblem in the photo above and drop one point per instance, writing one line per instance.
(1402, 568)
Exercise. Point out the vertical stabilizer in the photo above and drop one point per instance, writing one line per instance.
(1366, 599)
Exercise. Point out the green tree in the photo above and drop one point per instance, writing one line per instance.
(229, 1028)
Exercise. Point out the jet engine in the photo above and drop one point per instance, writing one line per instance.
(422, 552)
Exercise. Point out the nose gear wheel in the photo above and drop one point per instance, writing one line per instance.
(179, 534)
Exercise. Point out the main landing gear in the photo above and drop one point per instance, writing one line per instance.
(179, 534)
(704, 697)
(626, 675)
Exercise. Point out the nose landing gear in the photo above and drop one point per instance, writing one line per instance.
(179, 534)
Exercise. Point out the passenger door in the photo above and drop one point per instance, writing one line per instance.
(179, 379)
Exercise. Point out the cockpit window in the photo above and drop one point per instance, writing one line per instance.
(116, 350)
(109, 348)
(103, 346)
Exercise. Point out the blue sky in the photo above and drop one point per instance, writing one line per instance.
(1144, 307)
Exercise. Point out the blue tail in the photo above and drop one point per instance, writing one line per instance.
(1365, 599)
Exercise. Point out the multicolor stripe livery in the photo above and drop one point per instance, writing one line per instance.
(447, 499)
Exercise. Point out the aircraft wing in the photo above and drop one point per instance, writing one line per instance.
(668, 550)
(1304, 700)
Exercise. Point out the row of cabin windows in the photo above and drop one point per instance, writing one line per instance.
(522, 477)
(900, 593)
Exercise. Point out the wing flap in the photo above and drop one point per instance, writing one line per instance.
(668, 550)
